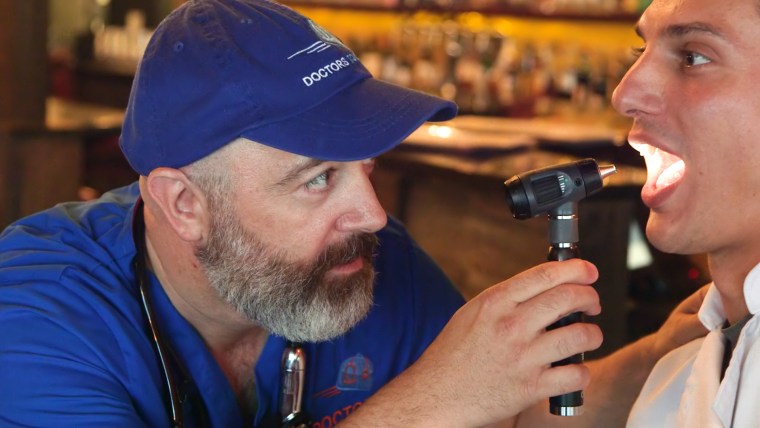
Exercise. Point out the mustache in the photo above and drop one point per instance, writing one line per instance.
(360, 245)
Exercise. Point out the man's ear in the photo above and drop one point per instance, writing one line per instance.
(180, 202)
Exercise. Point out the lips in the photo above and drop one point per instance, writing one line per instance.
(664, 172)
(349, 266)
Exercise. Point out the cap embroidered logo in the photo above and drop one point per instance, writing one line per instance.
(326, 39)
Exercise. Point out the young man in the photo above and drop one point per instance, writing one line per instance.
(695, 120)
(235, 284)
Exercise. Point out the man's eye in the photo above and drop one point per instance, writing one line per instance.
(319, 182)
(693, 59)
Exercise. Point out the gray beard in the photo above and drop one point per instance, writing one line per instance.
(295, 300)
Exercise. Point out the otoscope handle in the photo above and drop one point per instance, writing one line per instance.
(556, 191)
(569, 404)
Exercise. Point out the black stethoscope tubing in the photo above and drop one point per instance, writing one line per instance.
(161, 347)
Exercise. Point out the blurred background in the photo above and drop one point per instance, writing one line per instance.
(532, 78)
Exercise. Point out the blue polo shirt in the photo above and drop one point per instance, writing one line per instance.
(75, 349)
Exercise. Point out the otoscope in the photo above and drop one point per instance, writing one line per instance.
(556, 191)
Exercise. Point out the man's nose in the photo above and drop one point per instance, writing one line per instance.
(366, 214)
(640, 91)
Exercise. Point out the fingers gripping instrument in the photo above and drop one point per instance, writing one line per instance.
(555, 191)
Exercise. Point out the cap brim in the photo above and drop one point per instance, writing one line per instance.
(361, 121)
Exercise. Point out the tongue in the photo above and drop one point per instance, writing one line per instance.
(670, 175)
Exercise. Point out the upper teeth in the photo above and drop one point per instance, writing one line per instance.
(643, 149)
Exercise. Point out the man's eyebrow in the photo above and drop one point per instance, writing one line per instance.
(680, 30)
(693, 27)
(296, 171)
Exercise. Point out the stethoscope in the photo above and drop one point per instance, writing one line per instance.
(180, 387)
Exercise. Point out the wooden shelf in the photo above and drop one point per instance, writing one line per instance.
(465, 7)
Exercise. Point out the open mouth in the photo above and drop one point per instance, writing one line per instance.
(663, 169)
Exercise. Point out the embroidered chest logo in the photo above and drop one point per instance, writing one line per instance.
(356, 374)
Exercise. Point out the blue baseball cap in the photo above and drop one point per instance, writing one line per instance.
(217, 70)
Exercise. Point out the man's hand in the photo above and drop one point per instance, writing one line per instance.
(681, 327)
(493, 358)
(617, 378)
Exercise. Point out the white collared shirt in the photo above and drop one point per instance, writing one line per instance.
(684, 389)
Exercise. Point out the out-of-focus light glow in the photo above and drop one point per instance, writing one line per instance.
(639, 255)
(440, 131)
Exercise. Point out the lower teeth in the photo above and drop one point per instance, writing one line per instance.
(671, 174)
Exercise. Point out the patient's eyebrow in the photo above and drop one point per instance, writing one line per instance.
(680, 30)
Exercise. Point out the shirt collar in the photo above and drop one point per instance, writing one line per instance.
(713, 315)
(752, 290)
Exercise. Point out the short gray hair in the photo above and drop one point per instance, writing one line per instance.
(211, 175)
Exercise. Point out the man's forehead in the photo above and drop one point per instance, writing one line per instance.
(278, 166)
(251, 149)
(675, 18)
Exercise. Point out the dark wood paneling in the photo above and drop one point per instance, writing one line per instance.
(23, 62)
